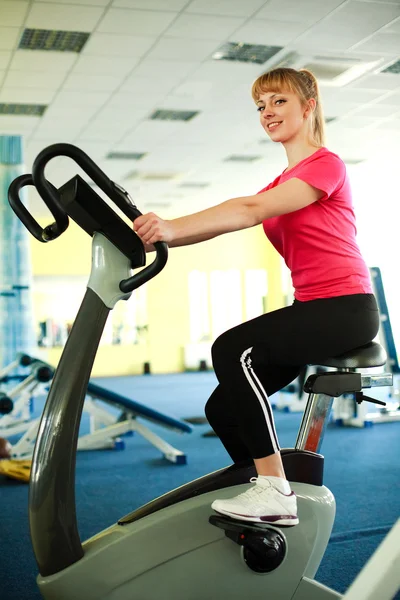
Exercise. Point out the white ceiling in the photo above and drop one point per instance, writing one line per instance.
(144, 55)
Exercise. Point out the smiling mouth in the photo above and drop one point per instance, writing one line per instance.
(274, 125)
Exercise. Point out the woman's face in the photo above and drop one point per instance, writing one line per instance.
(282, 115)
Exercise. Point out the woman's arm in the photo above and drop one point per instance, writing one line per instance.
(232, 215)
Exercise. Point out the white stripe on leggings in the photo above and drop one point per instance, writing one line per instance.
(259, 392)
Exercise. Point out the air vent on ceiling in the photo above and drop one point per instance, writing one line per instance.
(241, 52)
(125, 155)
(329, 70)
(30, 110)
(194, 185)
(59, 41)
(242, 158)
(394, 68)
(173, 115)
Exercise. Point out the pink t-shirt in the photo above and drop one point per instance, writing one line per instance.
(318, 242)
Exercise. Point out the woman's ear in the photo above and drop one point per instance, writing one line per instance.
(310, 107)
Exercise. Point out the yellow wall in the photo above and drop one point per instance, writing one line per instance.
(167, 294)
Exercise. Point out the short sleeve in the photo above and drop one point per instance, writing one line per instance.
(326, 172)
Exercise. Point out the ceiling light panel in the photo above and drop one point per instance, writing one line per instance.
(135, 22)
(111, 44)
(32, 110)
(173, 115)
(63, 17)
(53, 40)
(247, 53)
(234, 8)
(394, 68)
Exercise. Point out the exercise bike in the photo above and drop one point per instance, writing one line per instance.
(173, 547)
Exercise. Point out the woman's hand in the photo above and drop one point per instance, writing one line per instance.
(151, 228)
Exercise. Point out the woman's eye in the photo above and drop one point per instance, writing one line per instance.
(280, 100)
(260, 108)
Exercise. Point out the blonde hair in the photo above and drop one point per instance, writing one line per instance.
(304, 84)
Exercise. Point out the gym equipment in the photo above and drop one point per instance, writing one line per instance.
(347, 412)
(18, 419)
(171, 545)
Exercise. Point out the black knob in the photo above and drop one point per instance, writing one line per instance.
(44, 374)
(6, 404)
(25, 360)
(264, 552)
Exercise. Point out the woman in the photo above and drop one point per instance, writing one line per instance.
(308, 216)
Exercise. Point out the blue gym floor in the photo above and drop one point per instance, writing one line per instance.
(362, 469)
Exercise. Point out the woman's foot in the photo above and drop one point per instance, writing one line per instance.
(262, 503)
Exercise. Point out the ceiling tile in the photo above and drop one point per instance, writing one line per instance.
(63, 17)
(4, 59)
(204, 27)
(104, 65)
(147, 90)
(182, 49)
(87, 2)
(234, 8)
(33, 79)
(108, 44)
(268, 32)
(104, 130)
(377, 111)
(9, 37)
(63, 130)
(12, 14)
(150, 132)
(164, 71)
(77, 100)
(387, 42)
(171, 5)
(355, 21)
(17, 125)
(380, 81)
(356, 122)
(306, 11)
(26, 96)
(42, 60)
(394, 26)
(139, 22)
(95, 83)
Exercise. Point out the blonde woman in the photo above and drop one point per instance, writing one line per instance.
(307, 214)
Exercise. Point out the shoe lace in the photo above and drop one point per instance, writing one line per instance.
(254, 492)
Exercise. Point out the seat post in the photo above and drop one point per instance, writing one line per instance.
(314, 422)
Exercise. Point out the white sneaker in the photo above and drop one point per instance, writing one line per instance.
(262, 503)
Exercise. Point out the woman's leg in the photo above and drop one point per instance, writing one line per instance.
(222, 416)
(245, 360)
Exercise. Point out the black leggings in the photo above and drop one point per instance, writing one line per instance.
(256, 359)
